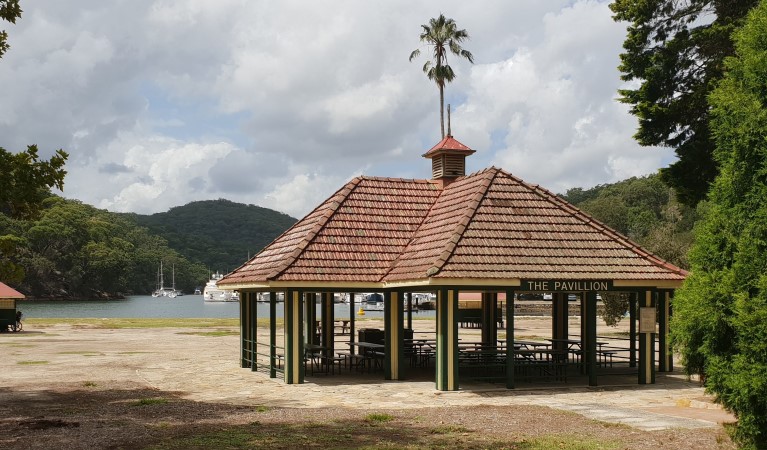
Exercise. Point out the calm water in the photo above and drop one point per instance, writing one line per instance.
(187, 306)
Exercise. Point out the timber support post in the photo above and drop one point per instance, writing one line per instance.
(509, 339)
(272, 334)
(294, 340)
(394, 367)
(647, 321)
(447, 340)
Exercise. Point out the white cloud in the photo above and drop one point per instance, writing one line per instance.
(162, 102)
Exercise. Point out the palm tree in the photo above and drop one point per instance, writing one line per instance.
(443, 35)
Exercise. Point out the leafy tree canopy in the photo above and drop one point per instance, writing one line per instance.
(75, 250)
(9, 11)
(26, 180)
(720, 320)
(645, 210)
(676, 51)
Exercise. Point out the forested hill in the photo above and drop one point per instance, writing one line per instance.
(645, 210)
(218, 233)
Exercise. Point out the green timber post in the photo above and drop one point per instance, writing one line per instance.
(294, 340)
(664, 345)
(669, 313)
(310, 305)
(244, 329)
(409, 310)
(589, 340)
(328, 322)
(253, 330)
(447, 340)
(509, 339)
(272, 334)
(584, 326)
(633, 301)
(489, 318)
(394, 366)
(352, 330)
(647, 339)
(559, 325)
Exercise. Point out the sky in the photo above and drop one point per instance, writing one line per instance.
(280, 103)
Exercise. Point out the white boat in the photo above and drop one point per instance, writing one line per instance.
(372, 302)
(264, 297)
(161, 290)
(213, 293)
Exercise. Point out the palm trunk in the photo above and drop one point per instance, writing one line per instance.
(442, 110)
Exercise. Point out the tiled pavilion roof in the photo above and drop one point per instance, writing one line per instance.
(486, 226)
(8, 292)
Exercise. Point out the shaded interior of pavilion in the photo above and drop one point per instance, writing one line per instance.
(469, 337)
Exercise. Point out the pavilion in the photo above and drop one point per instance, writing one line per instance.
(8, 297)
(487, 232)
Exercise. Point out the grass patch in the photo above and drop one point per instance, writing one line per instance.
(449, 429)
(216, 333)
(378, 418)
(82, 353)
(263, 408)
(565, 443)
(120, 323)
(354, 434)
(89, 384)
(150, 401)
(621, 334)
(31, 363)
(612, 424)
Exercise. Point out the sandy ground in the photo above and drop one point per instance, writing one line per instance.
(50, 373)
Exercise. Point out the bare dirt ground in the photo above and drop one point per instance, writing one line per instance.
(85, 386)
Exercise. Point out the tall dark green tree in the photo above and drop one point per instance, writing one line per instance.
(676, 51)
(9, 11)
(26, 180)
(444, 37)
(720, 317)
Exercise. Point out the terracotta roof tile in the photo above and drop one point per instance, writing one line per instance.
(488, 225)
(8, 292)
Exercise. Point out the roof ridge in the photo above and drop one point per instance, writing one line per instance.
(469, 212)
(413, 235)
(601, 227)
(374, 178)
(333, 204)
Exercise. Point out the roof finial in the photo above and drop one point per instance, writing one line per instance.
(448, 120)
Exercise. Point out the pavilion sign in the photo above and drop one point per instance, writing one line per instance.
(566, 285)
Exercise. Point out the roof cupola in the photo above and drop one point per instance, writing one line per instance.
(448, 159)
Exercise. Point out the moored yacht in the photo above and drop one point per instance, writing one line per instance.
(213, 293)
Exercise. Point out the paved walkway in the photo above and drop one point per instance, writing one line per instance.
(205, 368)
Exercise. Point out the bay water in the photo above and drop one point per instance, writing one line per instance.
(146, 306)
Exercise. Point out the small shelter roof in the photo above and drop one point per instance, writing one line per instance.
(8, 292)
(489, 225)
(448, 144)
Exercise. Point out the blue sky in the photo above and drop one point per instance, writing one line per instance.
(278, 104)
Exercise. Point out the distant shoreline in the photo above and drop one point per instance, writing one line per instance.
(75, 299)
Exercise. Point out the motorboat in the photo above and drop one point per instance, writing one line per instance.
(213, 293)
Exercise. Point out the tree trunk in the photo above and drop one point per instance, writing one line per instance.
(442, 110)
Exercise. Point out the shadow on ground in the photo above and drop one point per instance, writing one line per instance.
(83, 416)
